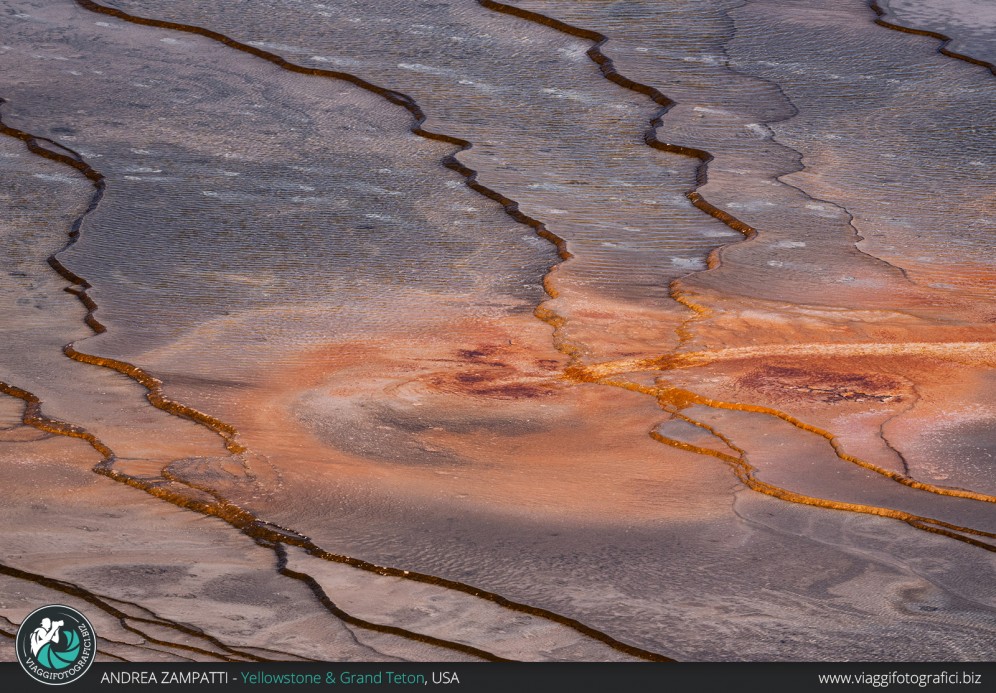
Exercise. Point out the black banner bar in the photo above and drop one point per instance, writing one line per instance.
(517, 677)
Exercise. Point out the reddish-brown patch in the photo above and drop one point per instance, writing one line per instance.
(495, 379)
(799, 383)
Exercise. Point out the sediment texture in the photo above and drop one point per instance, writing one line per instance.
(481, 330)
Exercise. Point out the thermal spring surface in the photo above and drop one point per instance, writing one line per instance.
(470, 330)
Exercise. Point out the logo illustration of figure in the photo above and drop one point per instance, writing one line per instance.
(45, 633)
(55, 644)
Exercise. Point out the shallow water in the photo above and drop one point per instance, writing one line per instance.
(682, 343)
(967, 23)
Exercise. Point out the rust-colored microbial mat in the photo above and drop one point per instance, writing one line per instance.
(474, 330)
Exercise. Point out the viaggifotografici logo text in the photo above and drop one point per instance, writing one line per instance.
(56, 644)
